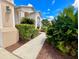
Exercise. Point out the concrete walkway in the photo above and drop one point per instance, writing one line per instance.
(31, 49)
(4, 54)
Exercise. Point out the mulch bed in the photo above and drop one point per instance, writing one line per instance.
(49, 52)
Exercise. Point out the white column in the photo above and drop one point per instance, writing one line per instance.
(19, 17)
(22, 14)
(36, 23)
(40, 24)
(13, 19)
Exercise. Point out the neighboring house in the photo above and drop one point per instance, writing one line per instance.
(27, 11)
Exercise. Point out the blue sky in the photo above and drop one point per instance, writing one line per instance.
(48, 8)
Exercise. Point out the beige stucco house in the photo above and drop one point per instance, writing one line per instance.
(8, 32)
(27, 11)
(11, 15)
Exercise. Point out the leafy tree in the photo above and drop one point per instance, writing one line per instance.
(45, 22)
(63, 33)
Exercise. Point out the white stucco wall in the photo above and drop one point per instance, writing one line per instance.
(0, 24)
(32, 15)
(27, 9)
(22, 14)
(0, 15)
(17, 16)
(12, 1)
(1, 41)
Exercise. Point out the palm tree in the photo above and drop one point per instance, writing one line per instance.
(69, 12)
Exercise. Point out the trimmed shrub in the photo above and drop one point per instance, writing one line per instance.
(26, 31)
(26, 20)
(34, 33)
(44, 29)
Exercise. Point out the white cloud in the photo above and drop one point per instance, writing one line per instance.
(44, 18)
(53, 2)
(48, 9)
(75, 4)
(50, 18)
(30, 5)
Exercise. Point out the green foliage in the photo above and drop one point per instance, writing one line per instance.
(34, 33)
(26, 31)
(44, 29)
(27, 21)
(64, 32)
(45, 22)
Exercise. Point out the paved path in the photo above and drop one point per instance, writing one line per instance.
(31, 49)
(4, 54)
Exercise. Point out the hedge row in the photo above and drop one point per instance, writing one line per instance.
(26, 31)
